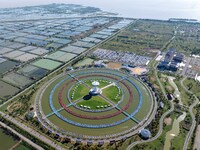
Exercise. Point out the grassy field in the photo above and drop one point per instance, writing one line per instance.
(45, 98)
(157, 144)
(112, 93)
(17, 80)
(187, 38)
(21, 147)
(142, 37)
(185, 97)
(145, 36)
(93, 102)
(4, 92)
(185, 45)
(47, 64)
(86, 61)
(135, 100)
(6, 141)
(178, 142)
(7, 65)
(90, 131)
(79, 92)
(193, 85)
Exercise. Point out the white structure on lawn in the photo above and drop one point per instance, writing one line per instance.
(95, 90)
(197, 78)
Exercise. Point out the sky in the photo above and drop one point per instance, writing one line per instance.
(155, 9)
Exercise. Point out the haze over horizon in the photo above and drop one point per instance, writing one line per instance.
(155, 9)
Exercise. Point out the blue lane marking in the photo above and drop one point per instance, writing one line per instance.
(124, 112)
(52, 113)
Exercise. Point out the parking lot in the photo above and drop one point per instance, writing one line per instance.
(123, 57)
(191, 68)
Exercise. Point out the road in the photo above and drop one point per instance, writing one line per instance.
(161, 119)
(188, 137)
(159, 132)
(31, 131)
(22, 137)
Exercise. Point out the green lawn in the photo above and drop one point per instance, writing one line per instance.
(21, 147)
(178, 141)
(91, 131)
(184, 94)
(6, 141)
(79, 92)
(142, 37)
(193, 85)
(157, 144)
(111, 93)
(93, 102)
(47, 64)
(86, 61)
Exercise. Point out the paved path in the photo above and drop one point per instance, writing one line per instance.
(175, 128)
(159, 132)
(177, 93)
(21, 137)
(112, 84)
(32, 132)
(161, 119)
(188, 137)
(165, 95)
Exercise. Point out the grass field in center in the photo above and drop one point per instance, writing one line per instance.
(112, 93)
(79, 92)
(93, 102)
